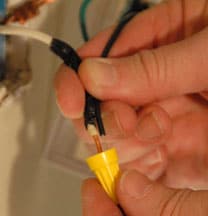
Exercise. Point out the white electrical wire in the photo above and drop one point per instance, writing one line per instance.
(92, 130)
(21, 31)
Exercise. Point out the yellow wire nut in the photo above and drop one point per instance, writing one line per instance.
(106, 168)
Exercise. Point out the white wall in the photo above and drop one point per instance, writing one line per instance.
(28, 186)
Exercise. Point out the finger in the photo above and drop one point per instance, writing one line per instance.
(69, 93)
(95, 201)
(140, 196)
(125, 129)
(165, 23)
(119, 120)
(152, 164)
(131, 38)
(204, 94)
(150, 75)
(151, 124)
(154, 128)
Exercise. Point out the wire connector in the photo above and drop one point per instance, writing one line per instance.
(105, 166)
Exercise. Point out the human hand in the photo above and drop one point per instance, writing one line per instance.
(139, 196)
(165, 75)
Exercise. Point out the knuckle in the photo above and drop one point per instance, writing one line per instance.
(152, 66)
(174, 204)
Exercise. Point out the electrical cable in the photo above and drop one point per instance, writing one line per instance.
(22, 31)
(92, 114)
(82, 19)
(116, 32)
(70, 57)
(135, 7)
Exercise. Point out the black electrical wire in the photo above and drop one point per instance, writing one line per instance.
(92, 114)
(2, 70)
(117, 31)
(134, 8)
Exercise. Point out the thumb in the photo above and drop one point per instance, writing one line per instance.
(139, 196)
(149, 75)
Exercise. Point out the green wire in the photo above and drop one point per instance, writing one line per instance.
(82, 19)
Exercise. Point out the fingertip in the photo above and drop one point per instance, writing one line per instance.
(156, 163)
(153, 164)
(154, 125)
(95, 201)
(62, 69)
(132, 186)
(69, 93)
(88, 186)
(119, 119)
(138, 195)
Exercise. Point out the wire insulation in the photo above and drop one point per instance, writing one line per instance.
(22, 31)
(82, 19)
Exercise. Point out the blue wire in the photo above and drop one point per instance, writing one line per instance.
(82, 19)
(2, 42)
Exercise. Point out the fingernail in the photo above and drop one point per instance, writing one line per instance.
(135, 185)
(102, 72)
(156, 173)
(204, 94)
(149, 128)
(153, 158)
(112, 124)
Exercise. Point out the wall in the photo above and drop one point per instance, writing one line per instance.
(28, 185)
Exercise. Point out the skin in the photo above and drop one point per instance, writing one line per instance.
(155, 110)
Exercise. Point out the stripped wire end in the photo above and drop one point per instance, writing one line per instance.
(25, 11)
(92, 130)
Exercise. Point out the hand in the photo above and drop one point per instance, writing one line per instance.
(161, 64)
(139, 196)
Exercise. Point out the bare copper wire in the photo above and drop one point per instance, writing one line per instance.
(26, 11)
(98, 143)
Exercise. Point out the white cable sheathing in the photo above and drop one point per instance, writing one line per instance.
(92, 130)
(26, 32)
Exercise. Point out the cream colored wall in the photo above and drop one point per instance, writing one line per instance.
(28, 185)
